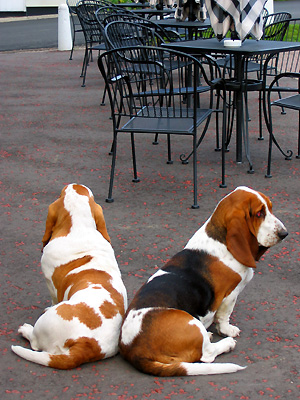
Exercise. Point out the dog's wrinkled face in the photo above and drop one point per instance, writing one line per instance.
(245, 223)
(268, 229)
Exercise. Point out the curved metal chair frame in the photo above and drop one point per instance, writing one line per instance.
(92, 30)
(76, 26)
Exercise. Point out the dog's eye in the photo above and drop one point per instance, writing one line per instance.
(260, 214)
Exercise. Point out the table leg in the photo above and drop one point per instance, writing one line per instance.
(239, 73)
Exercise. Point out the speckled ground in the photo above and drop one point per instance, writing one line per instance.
(54, 132)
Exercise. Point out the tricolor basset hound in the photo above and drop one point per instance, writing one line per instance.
(164, 330)
(88, 295)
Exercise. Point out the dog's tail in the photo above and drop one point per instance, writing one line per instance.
(77, 353)
(185, 368)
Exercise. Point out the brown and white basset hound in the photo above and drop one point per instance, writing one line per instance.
(88, 295)
(164, 330)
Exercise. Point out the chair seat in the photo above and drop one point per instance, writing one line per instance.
(292, 102)
(187, 90)
(226, 63)
(152, 120)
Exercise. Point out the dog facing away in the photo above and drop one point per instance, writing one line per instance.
(88, 295)
(164, 330)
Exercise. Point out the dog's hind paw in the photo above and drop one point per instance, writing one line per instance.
(26, 331)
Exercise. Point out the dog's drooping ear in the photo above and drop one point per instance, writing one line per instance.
(240, 242)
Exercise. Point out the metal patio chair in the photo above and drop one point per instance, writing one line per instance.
(148, 98)
(92, 31)
(281, 63)
(290, 102)
(76, 26)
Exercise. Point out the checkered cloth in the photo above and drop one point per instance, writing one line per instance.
(243, 16)
(198, 6)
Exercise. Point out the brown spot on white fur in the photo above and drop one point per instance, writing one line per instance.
(81, 350)
(85, 314)
(224, 281)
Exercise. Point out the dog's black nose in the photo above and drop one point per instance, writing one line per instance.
(282, 234)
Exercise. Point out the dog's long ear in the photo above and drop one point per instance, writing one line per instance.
(51, 221)
(240, 241)
(99, 219)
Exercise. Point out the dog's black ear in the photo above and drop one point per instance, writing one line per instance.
(240, 241)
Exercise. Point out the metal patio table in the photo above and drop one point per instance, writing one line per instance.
(151, 12)
(190, 26)
(133, 5)
(248, 49)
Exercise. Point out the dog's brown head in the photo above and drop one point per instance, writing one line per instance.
(244, 222)
(75, 201)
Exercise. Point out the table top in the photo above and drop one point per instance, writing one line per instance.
(154, 11)
(248, 47)
(174, 23)
(133, 5)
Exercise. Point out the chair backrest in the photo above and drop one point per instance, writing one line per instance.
(289, 61)
(109, 10)
(276, 17)
(139, 84)
(167, 34)
(124, 34)
(275, 30)
(275, 25)
(86, 10)
(71, 5)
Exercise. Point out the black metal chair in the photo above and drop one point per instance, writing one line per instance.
(291, 102)
(92, 30)
(124, 33)
(281, 63)
(76, 26)
(284, 69)
(146, 97)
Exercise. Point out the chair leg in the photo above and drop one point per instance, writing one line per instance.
(298, 155)
(195, 205)
(73, 44)
(170, 161)
(260, 115)
(217, 148)
(268, 174)
(224, 144)
(103, 97)
(109, 198)
(135, 177)
(155, 139)
(84, 67)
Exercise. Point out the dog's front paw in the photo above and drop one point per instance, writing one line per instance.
(230, 343)
(228, 330)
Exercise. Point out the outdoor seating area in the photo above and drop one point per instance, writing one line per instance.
(106, 26)
(56, 132)
(160, 133)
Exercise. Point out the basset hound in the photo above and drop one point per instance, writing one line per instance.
(88, 295)
(164, 330)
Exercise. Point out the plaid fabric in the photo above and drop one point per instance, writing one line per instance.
(244, 14)
(198, 6)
